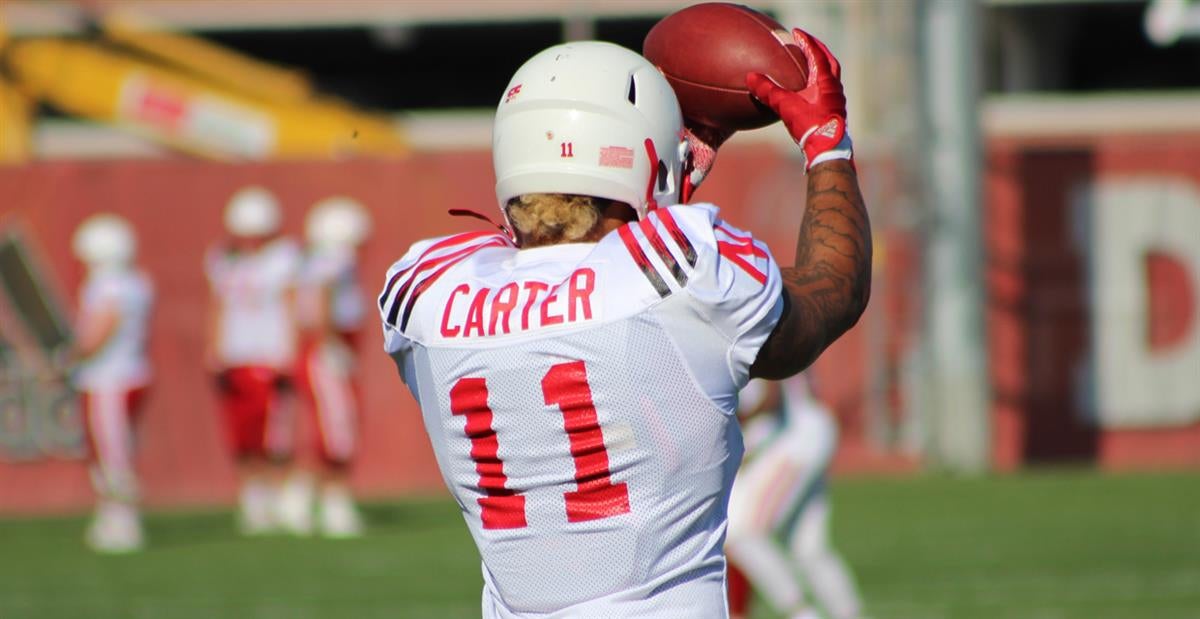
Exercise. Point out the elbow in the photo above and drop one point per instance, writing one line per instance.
(863, 297)
(857, 303)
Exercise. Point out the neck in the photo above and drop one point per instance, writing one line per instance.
(613, 216)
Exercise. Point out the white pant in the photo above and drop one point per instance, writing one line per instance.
(780, 492)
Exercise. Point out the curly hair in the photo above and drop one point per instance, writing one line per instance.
(546, 218)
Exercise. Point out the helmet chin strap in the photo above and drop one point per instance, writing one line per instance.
(685, 194)
(651, 203)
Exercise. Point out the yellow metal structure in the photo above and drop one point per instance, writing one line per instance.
(183, 91)
(189, 112)
(223, 67)
(15, 112)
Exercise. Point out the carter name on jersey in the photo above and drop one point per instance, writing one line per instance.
(517, 306)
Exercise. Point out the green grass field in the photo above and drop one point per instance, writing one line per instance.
(1061, 545)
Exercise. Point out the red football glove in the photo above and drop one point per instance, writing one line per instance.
(816, 115)
(704, 142)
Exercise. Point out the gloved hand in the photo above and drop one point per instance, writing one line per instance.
(704, 142)
(816, 115)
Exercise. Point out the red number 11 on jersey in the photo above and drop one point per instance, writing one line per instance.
(566, 386)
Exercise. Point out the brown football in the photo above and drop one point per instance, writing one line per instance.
(705, 52)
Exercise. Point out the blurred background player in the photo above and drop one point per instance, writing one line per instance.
(113, 373)
(252, 347)
(330, 311)
(779, 508)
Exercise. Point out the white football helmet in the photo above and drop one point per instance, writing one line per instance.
(589, 118)
(337, 222)
(253, 212)
(105, 241)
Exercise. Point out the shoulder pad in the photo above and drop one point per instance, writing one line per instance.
(422, 265)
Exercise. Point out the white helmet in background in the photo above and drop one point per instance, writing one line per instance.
(105, 241)
(337, 222)
(589, 118)
(253, 212)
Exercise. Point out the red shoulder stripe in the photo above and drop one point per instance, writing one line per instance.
(689, 253)
(433, 277)
(746, 243)
(734, 253)
(643, 263)
(660, 248)
(727, 230)
(446, 242)
(421, 266)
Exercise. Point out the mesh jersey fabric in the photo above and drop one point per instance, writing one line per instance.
(580, 398)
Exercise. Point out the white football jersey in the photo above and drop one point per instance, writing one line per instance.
(335, 271)
(580, 400)
(257, 326)
(121, 362)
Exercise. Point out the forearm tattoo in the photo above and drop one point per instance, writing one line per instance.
(828, 287)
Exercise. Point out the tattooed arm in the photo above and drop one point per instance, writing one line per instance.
(826, 290)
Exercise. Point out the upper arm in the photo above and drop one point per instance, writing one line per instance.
(394, 341)
(397, 284)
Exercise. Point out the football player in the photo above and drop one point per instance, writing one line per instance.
(330, 310)
(252, 347)
(578, 380)
(779, 509)
(113, 373)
